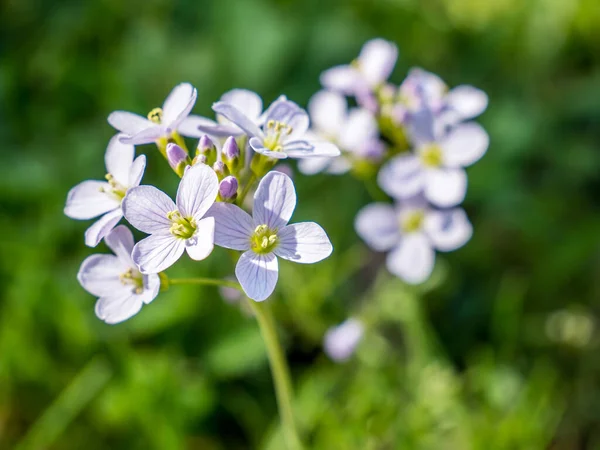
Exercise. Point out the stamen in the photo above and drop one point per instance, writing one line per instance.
(156, 116)
(264, 240)
(182, 227)
(431, 156)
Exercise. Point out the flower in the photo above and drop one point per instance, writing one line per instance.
(373, 66)
(283, 133)
(93, 198)
(341, 341)
(355, 132)
(247, 102)
(266, 235)
(173, 227)
(411, 232)
(115, 279)
(436, 166)
(161, 122)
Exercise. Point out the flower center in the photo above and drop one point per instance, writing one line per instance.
(264, 240)
(115, 188)
(412, 221)
(182, 227)
(133, 278)
(156, 116)
(431, 155)
(274, 133)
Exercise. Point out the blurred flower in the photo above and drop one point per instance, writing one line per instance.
(354, 132)
(341, 341)
(411, 232)
(283, 133)
(161, 122)
(436, 167)
(173, 227)
(94, 198)
(573, 327)
(266, 234)
(115, 279)
(229, 294)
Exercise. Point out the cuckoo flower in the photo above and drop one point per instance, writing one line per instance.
(282, 134)
(92, 198)
(266, 235)
(373, 66)
(160, 122)
(115, 279)
(173, 228)
(436, 166)
(341, 341)
(354, 132)
(411, 232)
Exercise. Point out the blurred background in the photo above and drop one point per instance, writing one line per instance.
(499, 350)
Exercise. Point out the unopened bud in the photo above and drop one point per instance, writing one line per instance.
(228, 188)
(231, 154)
(178, 158)
(220, 169)
(207, 147)
(199, 159)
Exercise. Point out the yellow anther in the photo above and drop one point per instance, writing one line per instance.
(270, 123)
(156, 115)
(181, 227)
(260, 229)
(272, 239)
(265, 242)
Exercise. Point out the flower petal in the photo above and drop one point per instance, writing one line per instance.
(327, 112)
(233, 114)
(88, 200)
(119, 306)
(448, 230)
(118, 159)
(359, 128)
(341, 341)
(147, 136)
(120, 241)
(202, 243)
(289, 113)
(378, 225)
(312, 149)
(197, 191)
(465, 145)
(377, 60)
(151, 287)
(157, 252)
(146, 208)
(99, 274)
(344, 79)
(137, 171)
(304, 243)
(445, 187)
(467, 101)
(195, 126)
(246, 101)
(402, 176)
(257, 274)
(274, 200)
(103, 226)
(233, 226)
(178, 104)
(258, 146)
(413, 259)
(128, 123)
(311, 166)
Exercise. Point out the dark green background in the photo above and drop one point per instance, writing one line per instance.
(498, 351)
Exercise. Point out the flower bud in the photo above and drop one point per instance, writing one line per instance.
(199, 159)
(231, 149)
(221, 169)
(228, 188)
(178, 158)
(207, 147)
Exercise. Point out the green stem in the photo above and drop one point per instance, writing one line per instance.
(280, 372)
(249, 184)
(207, 281)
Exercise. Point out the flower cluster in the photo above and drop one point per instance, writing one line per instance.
(234, 152)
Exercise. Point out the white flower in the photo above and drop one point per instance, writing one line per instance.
(373, 66)
(341, 341)
(94, 198)
(283, 132)
(436, 166)
(266, 235)
(355, 132)
(411, 232)
(160, 122)
(121, 288)
(173, 228)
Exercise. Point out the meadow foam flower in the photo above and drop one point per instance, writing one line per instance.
(120, 287)
(354, 131)
(436, 168)
(173, 227)
(283, 132)
(341, 341)
(266, 235)
(93, 198)
(411, 232)
(373, 66)
(160, 122)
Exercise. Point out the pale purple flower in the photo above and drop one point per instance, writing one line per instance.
(120, 287)
(436, 168)
(368, 72)
(173, 228)
(160, 122)
(355, 132)
(93, 198)
(247, 102)
(412, 232)
(266, 235)
(283, 132)
(341, 341)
